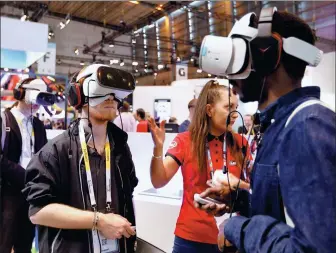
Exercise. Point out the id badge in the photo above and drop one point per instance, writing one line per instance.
(104, 245)
(108, 245)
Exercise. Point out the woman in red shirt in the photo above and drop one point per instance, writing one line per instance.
(196, 231)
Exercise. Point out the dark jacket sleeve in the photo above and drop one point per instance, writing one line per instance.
(132, 175)
(308, 186)
(10, 172)
(42, 179)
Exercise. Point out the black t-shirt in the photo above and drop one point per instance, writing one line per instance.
(98, 171)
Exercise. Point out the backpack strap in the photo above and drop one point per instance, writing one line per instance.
(303, 105)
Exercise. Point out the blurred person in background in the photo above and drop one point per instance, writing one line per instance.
(47, 124)
(185, 124)
(142, 125)
(196, 231)
(23, 135)
(172, 120)
(247, 128)
(125, 120)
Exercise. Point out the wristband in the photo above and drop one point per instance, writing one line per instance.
(95, 220)
(157, 157)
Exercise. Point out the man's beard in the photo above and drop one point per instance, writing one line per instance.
(252, 89)
(102, 117)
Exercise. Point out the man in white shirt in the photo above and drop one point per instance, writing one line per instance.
(126, 120)
(22, 136)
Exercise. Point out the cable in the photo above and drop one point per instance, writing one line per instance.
(244, 153)
(122, 125)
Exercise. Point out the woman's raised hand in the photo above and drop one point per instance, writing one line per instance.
(158, 133)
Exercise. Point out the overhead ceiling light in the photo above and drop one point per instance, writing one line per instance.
(192, 59)
(111, 45)
(23, 18)
(135, 63)
(155, 74)
(159, 8)
(62, 25)
(209, 75)
(6, 69)
(134, 2)
(160, 66)
(76, 51)
(199, 71)
(136, 71)
(146, 65)
(81, 63)
(67, 19)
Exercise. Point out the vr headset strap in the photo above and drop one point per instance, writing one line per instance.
(265, 22)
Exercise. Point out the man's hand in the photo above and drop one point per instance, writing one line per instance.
(220, 193)
(114, 226)
(221, 238)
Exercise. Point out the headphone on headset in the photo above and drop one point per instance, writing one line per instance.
(266, 48)
(75, 93)
(19, 92)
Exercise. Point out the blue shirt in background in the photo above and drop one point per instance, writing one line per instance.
(184, 126)
(305, 151)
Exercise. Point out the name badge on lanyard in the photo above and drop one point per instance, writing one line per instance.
(100, 243)
(210, 160)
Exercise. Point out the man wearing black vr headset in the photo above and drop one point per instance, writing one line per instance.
(22, 136)
(80, 185)
(293, 184)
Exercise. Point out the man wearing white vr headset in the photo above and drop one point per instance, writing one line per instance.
(293, 184)
(80, 184)
(22, 136)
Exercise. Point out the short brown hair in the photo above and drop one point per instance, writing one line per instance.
(125, 107)
(192, 103)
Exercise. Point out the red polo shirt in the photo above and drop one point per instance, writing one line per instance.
(194, 224)
(143, 126)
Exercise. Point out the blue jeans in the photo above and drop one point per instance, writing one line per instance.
(185, 246)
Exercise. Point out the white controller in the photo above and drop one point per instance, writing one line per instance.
(205, 201)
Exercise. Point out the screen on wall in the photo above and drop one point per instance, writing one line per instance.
(162, 109)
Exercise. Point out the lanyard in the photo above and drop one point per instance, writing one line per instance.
(210, 160)
(88, 170)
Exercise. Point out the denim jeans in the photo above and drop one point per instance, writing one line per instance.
(185, 246)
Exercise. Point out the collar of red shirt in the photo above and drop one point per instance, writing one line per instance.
(212, 137)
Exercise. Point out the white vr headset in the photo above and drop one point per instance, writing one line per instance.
(101, 80)
(98, 81)
(232, 57)
(34, 92)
